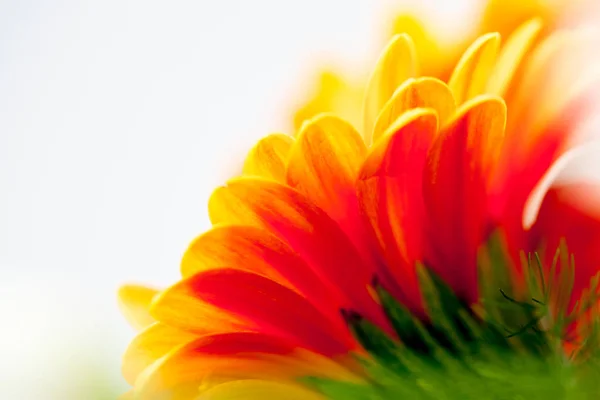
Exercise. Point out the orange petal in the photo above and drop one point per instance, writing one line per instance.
(268, 157)
(134, 301)
(424, 92)
(254, 389)
(263, 304)
(455, 191)
(389, 189)
(325, 160)
(179, 307)
(472, 72)
(323, 166)
(307, 229)
(253, 249)
(513, 52)
(211, 360)
(149, 345)
(397, 63)
(240, 355)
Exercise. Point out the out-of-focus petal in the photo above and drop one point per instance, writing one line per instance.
(513, 52)
(389, 189)
(424, 92)
(396, 64)
(335, 93)
(556, 79)
(307, 229)
(455, 191)
(254, 389)
(149, 345)
(268, 157)
(472, 72)
(134, 301)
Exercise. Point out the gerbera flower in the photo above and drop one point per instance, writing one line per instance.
(366, 262)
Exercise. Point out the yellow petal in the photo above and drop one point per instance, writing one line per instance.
(150, 345)
(397, 63)
(511, 56)
(472, 72)
(134, 301)
(424, 92)
(268, 157)
(325, 160)
(252, 389)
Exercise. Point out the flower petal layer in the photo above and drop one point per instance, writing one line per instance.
(455, 191)
(307, 229)
(471, 74)
(324, 163)
(254, 389)
(511, 56)
(389, 189)
(213, 358)
(134, 301)
(268, 157)
(396, 64)
(253, 249)
(414, 93)
(150, 345)
(264, 305)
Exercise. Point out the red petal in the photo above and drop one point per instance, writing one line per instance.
(565, 214)
(389, 189)
(307, 229)
(455, 191)
(267, 306)
(253, 249)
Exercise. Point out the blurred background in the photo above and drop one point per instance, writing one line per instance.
(117, 119)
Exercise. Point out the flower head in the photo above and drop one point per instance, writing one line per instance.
(336, 250)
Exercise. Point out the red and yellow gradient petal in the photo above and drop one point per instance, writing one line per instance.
(389, 189)
(257, 304)
(423, 92)
(455, 184)
(323, 165)
(309, 230)
(252, 249)
(207, 362)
